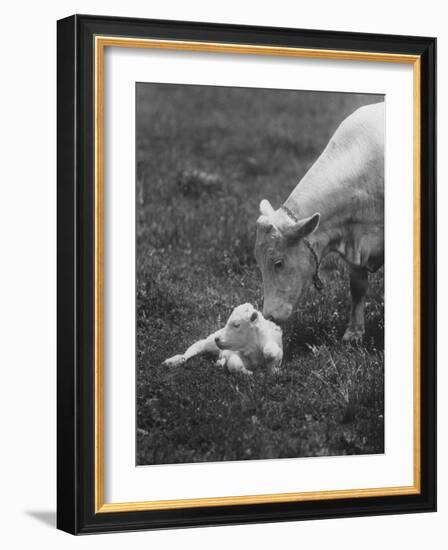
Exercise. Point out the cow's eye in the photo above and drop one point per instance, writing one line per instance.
(236, 325)
(278, 264)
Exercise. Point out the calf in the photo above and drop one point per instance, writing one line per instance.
(246, 343)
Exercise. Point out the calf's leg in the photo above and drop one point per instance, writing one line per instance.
(359, 282)
(205, 346)
(234, 363)
(273, 356)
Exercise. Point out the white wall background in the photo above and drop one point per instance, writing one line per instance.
(28, 267)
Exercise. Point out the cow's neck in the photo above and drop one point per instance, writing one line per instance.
(332, 234)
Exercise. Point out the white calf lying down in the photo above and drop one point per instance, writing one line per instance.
(247, 342)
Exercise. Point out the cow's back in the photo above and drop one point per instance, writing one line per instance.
(356, 147)
(351, 165)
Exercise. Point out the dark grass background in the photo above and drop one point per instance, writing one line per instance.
(206, 156)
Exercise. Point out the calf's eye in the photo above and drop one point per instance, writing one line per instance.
(236, 325)
(278, 264)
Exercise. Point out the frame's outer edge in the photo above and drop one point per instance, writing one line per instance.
(67, 462)
(249, 34)
(428, 295)
(76, 450)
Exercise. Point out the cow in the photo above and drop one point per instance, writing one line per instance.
(246, 343)
(338, 206)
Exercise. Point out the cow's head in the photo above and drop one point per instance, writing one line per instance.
(285, 262)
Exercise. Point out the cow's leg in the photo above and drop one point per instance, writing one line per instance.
(206, 346)
(359, 282)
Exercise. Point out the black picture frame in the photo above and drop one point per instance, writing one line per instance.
(76, 263)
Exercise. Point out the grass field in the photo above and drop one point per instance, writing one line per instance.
(195, 239)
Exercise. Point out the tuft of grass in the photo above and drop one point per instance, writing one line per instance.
(205, 158)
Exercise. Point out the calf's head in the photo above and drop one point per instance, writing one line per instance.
(286, 264)
(240, 330)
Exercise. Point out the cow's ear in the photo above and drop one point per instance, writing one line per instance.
(266, 208)
(302, 228)
(254, 316)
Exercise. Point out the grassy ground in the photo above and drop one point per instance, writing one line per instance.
(195, 238)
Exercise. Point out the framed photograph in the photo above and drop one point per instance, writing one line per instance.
(246, 274)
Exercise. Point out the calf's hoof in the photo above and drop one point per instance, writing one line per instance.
(353, 335)
(175, 361)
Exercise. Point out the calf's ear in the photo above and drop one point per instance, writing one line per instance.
(302, 228)
(254, 316)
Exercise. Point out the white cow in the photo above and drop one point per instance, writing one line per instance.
(246, 343)
(338, 206)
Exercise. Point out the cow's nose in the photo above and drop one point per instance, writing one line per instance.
(269, 317)
(217, 342)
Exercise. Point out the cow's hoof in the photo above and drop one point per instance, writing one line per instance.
(353, 336)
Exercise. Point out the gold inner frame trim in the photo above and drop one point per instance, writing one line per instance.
(101, 42)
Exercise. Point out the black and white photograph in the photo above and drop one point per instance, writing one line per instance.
(259, 273)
